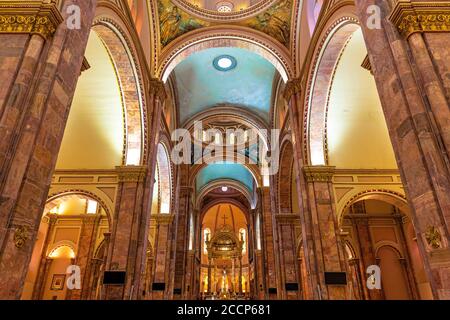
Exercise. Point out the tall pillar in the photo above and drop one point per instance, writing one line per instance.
(127, 251)
(269, 242)
(286, 225)
(409, 58)
(323, 250)
(367, 253)
(162, 256)
(85, 254)
(40, 63)
(126, 238)
(209, 275)
(328, 249)
(183, 270)
(45, 262)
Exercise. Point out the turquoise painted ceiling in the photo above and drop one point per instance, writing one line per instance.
(225, 170)
(200, 86)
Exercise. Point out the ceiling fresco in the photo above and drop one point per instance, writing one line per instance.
(174, 22)
(201, 86)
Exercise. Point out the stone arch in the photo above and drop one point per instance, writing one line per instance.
(320, 81)
(129, 78)
(231, 36)
(72, 192)
(65, 243)
(227, 183)
(394, 198)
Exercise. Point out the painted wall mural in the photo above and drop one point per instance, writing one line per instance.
(275, 21)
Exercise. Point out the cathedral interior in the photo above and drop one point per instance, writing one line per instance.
(115, 116)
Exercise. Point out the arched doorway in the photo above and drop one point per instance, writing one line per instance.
(73, 232)
(379, 233)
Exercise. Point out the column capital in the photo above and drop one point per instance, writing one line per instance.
(156, 88)
(40, 17)
(319, 173)
(292, 87)
(162, 219)
(413, 17)
(131, 173)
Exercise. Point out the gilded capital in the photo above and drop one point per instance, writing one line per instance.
(131, 173)
(40, 17)
(413, 17)
(163, 219)
(319, 173)
(156, 88)
(292, 87)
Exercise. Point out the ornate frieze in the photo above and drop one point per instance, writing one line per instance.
(175, 19)
(413, 17)
(21, 236)
(34, 17)
(131, 173)
(319, 173)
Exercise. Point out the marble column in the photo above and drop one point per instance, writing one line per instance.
(409, 60)
(367, 254)
(85, 253)
(40, 68)
(162, 255)
(328, 249)
(267, 225)
(129, 237)
(181, 232)
(44, 264)
(286, 224)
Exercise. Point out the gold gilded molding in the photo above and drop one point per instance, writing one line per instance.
(319, 173)
(20, 236)
(292, 87)
(413, 17)
(34, 17)
(131, 173)
(433, 237)
(163, 219)
(156, 87)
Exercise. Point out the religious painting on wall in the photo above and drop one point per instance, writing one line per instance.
(58, 282)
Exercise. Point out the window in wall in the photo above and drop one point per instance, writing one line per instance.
(92, 207)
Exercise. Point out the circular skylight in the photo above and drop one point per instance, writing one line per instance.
(224, 189)
(224, 63)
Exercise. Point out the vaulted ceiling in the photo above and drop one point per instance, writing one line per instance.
(200, 86)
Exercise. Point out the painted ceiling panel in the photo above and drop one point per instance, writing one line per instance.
(200, 86)
(224, 170)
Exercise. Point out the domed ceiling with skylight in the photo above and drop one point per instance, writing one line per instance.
(224, 77)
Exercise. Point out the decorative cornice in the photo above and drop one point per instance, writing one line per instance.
(319, 173)
(292, 87)
(413, 17)
(131, 173)
(40, 17)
